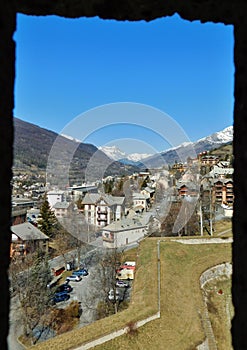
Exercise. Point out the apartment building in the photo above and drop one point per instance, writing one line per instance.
(101, 209)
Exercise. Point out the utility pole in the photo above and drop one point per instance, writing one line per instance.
(200, 214)
(210, 210)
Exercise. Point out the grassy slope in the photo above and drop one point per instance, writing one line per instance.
(179, 326)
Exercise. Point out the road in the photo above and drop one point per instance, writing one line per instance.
(86, 291)
(15, 330)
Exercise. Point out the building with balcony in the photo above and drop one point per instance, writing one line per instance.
(187, 189)
(222, 191)
(101, 209)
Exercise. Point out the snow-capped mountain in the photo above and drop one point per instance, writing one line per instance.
(115, 153)
(221, 137)
(180, 153)
(71, 138)
(136, 157)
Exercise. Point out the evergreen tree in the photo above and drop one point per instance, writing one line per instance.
(145, 182)
(48, 223)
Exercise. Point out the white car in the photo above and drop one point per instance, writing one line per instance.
(114, 296)
(74, 278)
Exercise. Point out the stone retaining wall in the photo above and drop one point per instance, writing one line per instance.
(224, 269)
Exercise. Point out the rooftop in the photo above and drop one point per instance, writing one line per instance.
(28, 232)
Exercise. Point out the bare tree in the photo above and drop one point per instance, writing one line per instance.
(30, 285)
(104, 281)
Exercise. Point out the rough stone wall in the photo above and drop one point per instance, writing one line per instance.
(7, 61)
(239, 282)
(224, 11)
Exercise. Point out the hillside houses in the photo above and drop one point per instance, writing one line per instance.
(207, 159)
(189, 189)
(121, 216)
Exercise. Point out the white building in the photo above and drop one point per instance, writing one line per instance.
(62, 209)
(140, 201)
(123, 232)
(55, 196)
(101, 209)
(220, 172)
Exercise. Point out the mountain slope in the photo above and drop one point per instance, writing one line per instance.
(181, 152)
(32, 145)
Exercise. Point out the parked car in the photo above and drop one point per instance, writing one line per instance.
(129, 263)
(61, 296)
(115, 296)
(80, 272)
(64, 288)
(122, 284)
(74, 278)
(111, 295)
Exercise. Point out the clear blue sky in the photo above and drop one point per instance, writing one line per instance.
(66, 67)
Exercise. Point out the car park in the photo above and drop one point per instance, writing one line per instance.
(74, 278)
(80, 272)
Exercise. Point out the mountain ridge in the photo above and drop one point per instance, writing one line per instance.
(32, 146)
(207, 143)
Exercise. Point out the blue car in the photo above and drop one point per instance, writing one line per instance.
(80, 272)
(61, 296)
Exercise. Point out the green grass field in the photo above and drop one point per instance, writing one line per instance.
(179, 327)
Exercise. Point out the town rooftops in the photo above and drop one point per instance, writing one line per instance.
(223, 181)
(125, 224)
(137, 195)
(83, 188)
(190, 185)
(221, 171)
(149, 190)
(94, 198)
(28, 232)
(61, 205)
(55, 192)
